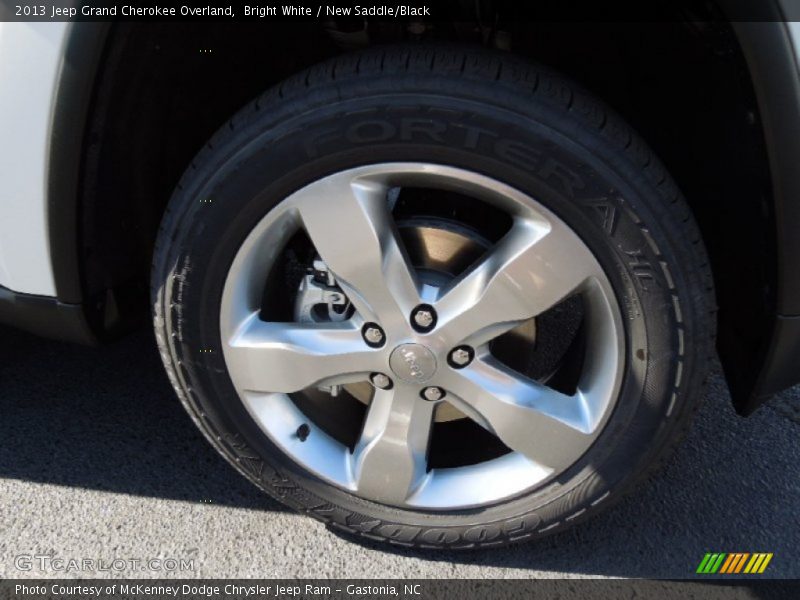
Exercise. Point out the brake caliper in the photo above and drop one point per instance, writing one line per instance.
(321, 300)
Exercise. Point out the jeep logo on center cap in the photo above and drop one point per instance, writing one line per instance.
(413, 362)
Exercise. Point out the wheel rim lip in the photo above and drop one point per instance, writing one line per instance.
(278, 418)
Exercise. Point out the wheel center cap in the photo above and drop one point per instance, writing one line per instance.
(413, 362)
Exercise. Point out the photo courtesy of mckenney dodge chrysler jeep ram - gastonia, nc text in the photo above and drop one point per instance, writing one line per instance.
(445, 284)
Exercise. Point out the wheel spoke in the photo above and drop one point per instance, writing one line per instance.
(533, 268)
(548, 427)
(288, 357)
(390, 458)
(349, 222)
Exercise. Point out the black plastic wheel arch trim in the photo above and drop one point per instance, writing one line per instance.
(73, 99)
(756, 373)
(45, 316)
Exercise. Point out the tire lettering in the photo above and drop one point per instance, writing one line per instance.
(607, 212)
(367, 132)
(482, 534)
(427, 128)
(410, 129)
(399, 533)
(641, 268)
(439, 536)
(312, 144)
(472, 135)
(569, 180)
(517, 153)
(521, 524)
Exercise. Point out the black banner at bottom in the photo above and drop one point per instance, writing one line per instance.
(402, 589)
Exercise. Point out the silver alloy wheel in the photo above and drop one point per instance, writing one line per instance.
(537, 264)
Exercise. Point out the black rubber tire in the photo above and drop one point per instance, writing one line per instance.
(479, 110)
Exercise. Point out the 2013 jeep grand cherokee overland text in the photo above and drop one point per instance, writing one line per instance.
(438, 283)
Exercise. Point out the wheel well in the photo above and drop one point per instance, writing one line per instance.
(163, 89)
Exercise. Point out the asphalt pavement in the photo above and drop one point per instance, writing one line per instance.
(98, 461)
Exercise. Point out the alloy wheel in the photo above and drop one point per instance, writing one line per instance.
(419, 342)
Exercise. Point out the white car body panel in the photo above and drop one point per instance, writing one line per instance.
(30, 63)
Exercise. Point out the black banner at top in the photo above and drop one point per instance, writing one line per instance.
(405, 10)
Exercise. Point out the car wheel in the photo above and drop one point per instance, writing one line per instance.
(435, 296)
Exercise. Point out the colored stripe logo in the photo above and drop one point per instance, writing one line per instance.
(734, 563)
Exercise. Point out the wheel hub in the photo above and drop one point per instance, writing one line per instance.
(413, 363)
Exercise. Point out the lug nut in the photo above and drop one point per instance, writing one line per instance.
(461, 356)
(380, 381)
(373, 335)
(423, 318)
(433, 393)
